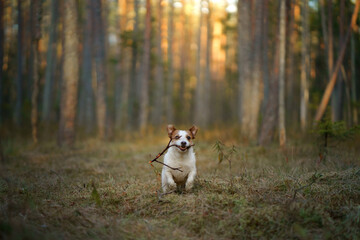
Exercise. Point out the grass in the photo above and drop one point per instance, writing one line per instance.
(107, 190)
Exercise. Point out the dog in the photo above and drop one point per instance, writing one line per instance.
(181, 155)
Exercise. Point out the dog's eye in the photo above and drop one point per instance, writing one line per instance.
(188, 137)
(177, 137)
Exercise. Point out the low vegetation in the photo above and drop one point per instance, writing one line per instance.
(109, 191)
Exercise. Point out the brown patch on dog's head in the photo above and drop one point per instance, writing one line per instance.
(172, 131)
(192, 131)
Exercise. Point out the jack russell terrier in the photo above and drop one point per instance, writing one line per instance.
(181, 156)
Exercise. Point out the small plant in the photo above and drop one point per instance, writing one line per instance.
(326, 130)
(225, 153)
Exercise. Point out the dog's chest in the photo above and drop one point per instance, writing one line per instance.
(180, 177)
(185, 163)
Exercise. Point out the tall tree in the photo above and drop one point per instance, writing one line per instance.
(282, 49)
(132, 102)
(330, 86)
(1, 55)
(159, 79)
(244, 67)
(50, 63)
(36, 31)
(170, 75)
(101, 108)
(207, 78)
(353, 82)
(270, 117)
(145, 71)
(337, 98)
(305, 64)
(120, 77)
(86, 109)
(256, 82)
(19, 77)
(199, 91)
(70, 75)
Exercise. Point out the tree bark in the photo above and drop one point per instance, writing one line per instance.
(282, 53)
(305, 66)
(199, 91)
(244, 67)
(353, 82)
(132, 102)
(119, 78)
(36, 31)
(256, 83)
(329, 88)
(270, 117)
(337, 98)
(101, 108)
(50, 64)
(86, 114)
(207, 79)
(19, 77)
(159, 79)
(145, 73)
(70, 75)
(1, 57)
(170, 75)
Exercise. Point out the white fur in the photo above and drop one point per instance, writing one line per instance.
(185, 160)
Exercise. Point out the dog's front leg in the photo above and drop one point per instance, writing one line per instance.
(190, 180)
(168, 182)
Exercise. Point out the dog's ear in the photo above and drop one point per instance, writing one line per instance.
(170, 129)
(193, 130)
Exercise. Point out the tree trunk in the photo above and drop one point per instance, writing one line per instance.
(70, 75)
(244, 59)
(332, 81)
(50, 64)
(132, 102)
(101, 108)
(199, 91)
(1, 58)
(337, 98)
(290, 73)
(119, 78)
(353, 82)
(145, 73)
(270, 117)
(256, 83)
(183, 57)
(86, 114)
(19, 77)
(36, 31)
(305, 65)
(265, 59)
(159, 79)
(282, 54)
(207, 79)
(324, 32)
(170, 77)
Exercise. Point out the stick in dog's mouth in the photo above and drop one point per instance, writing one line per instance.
(181, 148)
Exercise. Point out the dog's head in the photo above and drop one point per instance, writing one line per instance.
(182, 139)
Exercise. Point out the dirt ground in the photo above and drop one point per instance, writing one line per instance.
(107, 190)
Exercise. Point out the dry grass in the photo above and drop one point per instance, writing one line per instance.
(108, 191)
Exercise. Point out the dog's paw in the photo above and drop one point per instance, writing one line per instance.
(189, 186)
(172, 185)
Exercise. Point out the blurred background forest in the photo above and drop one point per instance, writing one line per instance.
(109, 67)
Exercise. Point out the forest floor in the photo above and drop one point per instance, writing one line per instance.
(107, 190)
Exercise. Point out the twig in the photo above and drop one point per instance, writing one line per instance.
(160, 154)
(313, 180)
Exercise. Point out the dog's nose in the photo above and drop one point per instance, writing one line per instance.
(183, 144)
